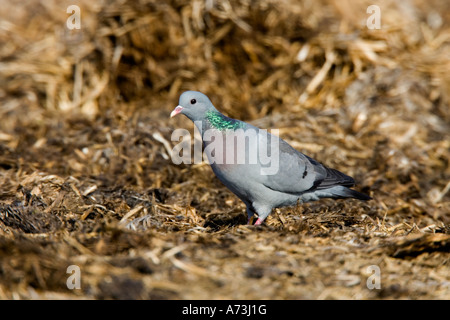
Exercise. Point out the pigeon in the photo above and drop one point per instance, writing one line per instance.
(260, 168)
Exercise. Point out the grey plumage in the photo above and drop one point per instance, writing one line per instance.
(292, 177)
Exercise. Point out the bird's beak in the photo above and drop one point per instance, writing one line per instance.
(176, 111)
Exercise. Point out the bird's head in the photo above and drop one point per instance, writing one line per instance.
(193, 104)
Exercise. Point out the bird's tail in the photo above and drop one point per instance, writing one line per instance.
(339, 192)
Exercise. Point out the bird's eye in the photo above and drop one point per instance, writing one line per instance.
(193, 101)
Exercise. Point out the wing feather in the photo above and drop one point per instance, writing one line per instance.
(299, 173)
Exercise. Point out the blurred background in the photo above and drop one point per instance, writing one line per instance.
(85, 147)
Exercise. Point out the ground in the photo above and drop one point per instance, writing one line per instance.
(87, 180)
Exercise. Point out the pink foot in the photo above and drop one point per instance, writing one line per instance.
(259, 222)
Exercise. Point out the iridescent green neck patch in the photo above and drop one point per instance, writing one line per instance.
(221, 122)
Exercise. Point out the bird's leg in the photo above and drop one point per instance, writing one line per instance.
(259, 221)
(250, 216)
(262, 214)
